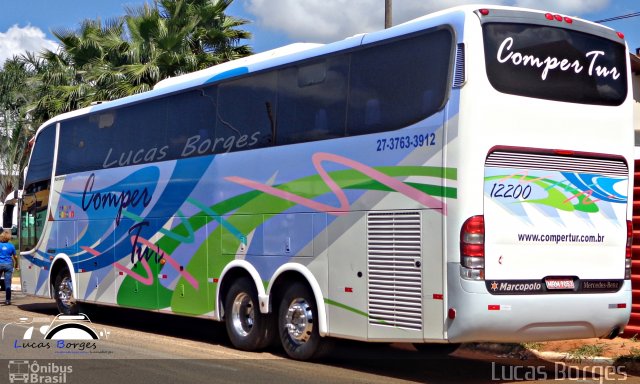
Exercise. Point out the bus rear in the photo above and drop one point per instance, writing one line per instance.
(544, 149)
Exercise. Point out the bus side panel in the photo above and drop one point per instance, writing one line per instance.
(433, 275)
(185, 282)
(347, 303)
(98, 285)
(141, 266)
(29, 273)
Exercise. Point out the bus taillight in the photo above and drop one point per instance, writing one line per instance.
(472, 249)
(627, 260)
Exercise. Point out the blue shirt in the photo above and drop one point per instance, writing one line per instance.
(6, 251)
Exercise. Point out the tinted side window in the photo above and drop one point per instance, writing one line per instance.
(41, 161)
(399, 83)
(246, 116)
(115, 138)
(312, 100)
(192, 121)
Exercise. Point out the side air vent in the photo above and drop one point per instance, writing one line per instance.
(459, 74)
(557, 163)
(394, 260)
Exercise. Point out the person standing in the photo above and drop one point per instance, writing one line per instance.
(8, 260)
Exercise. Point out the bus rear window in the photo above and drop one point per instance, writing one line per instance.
(555, 64)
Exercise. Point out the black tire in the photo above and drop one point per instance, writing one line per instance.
(298, 324)
(248, 329)
(63, 293)
(434, 349)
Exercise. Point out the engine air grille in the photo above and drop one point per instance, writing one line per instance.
(459, 74)
(394, 244)
(557, 163)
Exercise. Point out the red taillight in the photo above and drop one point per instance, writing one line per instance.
(558, 17)
(484, 12)
(472, 248)
(629, 238)
(568, 20)
(549, 16)
(620, 35)
(472, 236)
(629, 253)
(564, 152)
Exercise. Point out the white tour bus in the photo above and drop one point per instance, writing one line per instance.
(464, 176)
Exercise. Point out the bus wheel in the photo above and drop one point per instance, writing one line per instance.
(298, 324)
(437, 349)
(248, 329)
(63, 292)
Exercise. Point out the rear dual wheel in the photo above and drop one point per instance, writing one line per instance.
(298, 324)
(248, 329)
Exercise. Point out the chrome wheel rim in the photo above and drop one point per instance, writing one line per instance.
(65, 292)
(299, 321)
(242, 314)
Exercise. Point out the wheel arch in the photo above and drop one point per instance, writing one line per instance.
(231, 272)
(298, 272)
(57, 264)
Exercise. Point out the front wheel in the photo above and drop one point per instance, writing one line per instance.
(298, 324)
(248, 329)
(63, 293)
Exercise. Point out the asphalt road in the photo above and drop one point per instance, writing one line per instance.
(142, 347)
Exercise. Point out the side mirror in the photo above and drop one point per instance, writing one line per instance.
(8, 212)
(7, 216)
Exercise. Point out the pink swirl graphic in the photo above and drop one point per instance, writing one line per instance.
(149, 279)
(343, 208)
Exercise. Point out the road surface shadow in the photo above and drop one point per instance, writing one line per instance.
(395, 361)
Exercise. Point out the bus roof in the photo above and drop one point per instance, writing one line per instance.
(295, 52)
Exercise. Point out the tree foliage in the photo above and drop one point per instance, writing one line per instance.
(109, 59)
(15, 128)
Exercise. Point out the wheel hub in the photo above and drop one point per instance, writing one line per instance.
(242, 314)
(65, 292)
(299, 321)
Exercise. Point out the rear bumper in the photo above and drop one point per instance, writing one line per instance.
(481, 316)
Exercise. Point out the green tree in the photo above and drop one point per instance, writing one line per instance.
(106, 60)
(15, 125)
(129, 55)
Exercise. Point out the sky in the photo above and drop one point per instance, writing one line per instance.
(27, 25)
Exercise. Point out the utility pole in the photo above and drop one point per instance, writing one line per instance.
(388, 14)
